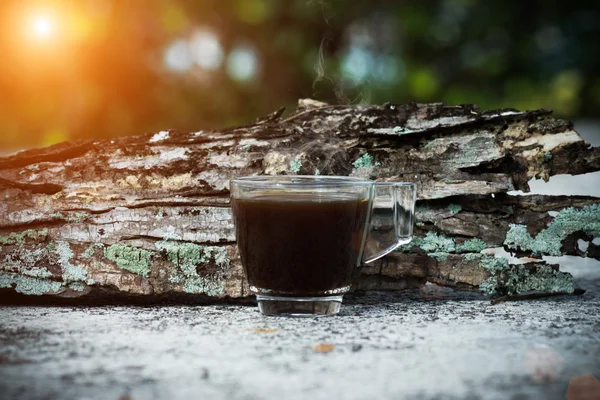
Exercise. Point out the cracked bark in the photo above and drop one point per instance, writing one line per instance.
(149, 215)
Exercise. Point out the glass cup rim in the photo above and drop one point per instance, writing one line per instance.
(310, 180)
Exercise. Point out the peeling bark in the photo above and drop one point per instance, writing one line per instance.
(149, 215)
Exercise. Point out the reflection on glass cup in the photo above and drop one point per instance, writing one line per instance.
(301, 238)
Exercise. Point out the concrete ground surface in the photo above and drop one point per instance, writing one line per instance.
(427, 344)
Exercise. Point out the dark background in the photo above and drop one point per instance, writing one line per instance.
(104, 68)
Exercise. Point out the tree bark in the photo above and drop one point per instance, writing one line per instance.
(149, 215)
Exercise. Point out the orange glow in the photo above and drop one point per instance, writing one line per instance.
(43, 26)
(56, 24)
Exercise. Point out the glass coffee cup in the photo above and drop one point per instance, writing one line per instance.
(302, 238)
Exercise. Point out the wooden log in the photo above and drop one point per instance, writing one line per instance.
(149, 215)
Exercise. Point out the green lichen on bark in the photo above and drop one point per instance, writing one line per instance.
(471, 256)
(295, 165)
(130, 258)
(90, 251)
(489, 285)
(187, 257)
(504, 278)
(549, 241)
(37, 272)
(364, 161)
(15, 238)
(435, 243)
(24, 265)
(517, 279)
(440, 246)
(197, 285)
(454, 208)
(70, 272)
(439, 255)
(511, 279)
(494, 265)
(29, 285)
(24, 258)
(474, 245)
(76, 217)
(78, 286)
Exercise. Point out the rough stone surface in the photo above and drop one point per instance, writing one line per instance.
(431, 343)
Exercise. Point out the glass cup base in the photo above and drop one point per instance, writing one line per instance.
(299, 306)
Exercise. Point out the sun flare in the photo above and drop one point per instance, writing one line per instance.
(43, 26)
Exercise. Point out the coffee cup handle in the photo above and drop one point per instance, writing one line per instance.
(391, 219)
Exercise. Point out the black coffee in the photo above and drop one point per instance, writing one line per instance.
(299, 245)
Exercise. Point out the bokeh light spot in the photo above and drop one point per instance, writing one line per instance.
(423, 83)
(42, 26)
(242, 63)
(473, 54)
(174, 18)
(388, 69)
(178, 56)
(254, 11)
(357, 63)
(53, 136)
(565, 89)
(206, 50)
(360, 64)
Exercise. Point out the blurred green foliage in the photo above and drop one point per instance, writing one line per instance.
(105, 68)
